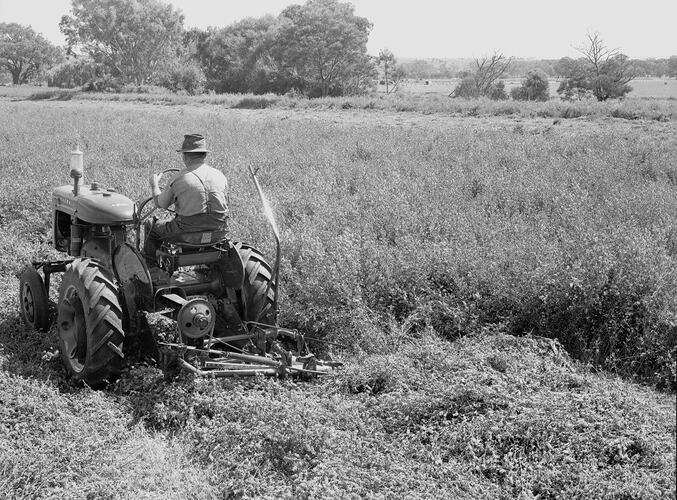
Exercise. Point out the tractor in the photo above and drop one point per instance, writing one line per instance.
(216, 299)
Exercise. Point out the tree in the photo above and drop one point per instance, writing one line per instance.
(467, 88)
(574, 78)
(183, 76)
(133, 39)
(489, 70)
(419, 68)
(519, 68)
(564, 66)
(323, 44)
(484, 80)
(236, 58)
(25, 53)
(393, 73)
(603, 71)
(672, 67)
(649, 67)
(533, 88)
(361, 78)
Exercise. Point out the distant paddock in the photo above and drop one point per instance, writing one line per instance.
(659, 88)
(656, 88)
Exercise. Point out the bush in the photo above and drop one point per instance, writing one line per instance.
(75, 72)
(496, 92)
(602, 87)
(259, 102)
(467, 88)
(56, 95)
(534, 88)
(184, 77)
(106, 83)
(606, 87)
(571, 89)
(143, 89)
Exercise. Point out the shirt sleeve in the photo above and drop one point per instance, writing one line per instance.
(166, 198)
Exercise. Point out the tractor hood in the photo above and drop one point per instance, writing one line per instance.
(94, 204)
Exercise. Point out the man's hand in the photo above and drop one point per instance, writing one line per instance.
(154, 179)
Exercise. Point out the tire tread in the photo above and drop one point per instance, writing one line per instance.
(103, 321)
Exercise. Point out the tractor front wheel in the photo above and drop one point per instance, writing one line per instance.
(33, 301)
(90, 323)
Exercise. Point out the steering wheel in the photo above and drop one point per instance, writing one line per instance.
(142, 214)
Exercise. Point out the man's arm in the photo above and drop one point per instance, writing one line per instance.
(163, 199)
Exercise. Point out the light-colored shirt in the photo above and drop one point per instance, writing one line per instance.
(197, 189)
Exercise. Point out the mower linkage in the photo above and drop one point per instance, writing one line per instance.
(208, 362)
(215, 363)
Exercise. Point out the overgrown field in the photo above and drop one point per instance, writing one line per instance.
(406, 101)
(402, 233)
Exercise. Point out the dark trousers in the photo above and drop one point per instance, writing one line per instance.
(179, 227)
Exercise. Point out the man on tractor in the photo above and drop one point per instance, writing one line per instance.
(199, 194)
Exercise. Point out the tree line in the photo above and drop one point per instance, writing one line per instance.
(601, 72)
(436, 69)
(315, 49)
(318, 49)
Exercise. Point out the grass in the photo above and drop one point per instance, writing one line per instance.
(444, 250)
(661, 108)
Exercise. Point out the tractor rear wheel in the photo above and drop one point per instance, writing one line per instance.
(90, 323)
(33, 301)
(257, 296)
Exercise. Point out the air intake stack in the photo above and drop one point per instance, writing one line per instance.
(76, 168)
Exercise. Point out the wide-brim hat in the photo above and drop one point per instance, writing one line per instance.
(193, 143)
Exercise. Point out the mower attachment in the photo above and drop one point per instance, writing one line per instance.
(271, 359)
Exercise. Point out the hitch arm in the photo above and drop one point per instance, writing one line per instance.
(268, 212)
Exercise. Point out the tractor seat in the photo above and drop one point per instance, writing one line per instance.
(190, 249)
(195, 249)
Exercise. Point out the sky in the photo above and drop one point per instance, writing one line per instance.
(539, 29)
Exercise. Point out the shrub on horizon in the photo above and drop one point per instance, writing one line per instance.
(534, 87)
(496, 92)
(467, 88)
